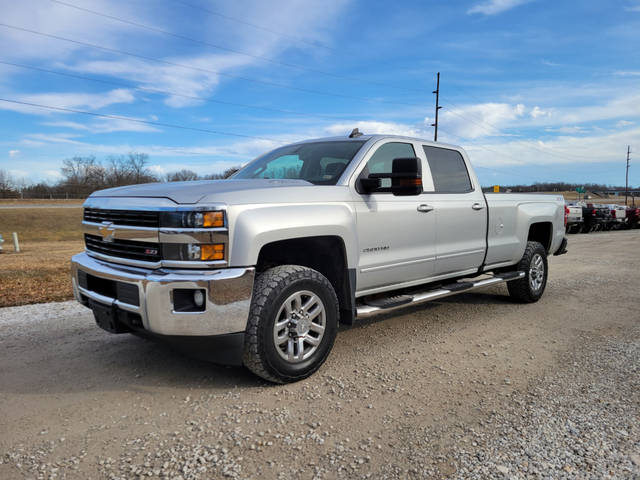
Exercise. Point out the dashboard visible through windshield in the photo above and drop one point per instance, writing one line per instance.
(320, 163)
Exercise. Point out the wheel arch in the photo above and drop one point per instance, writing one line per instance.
(326, 254)
(541, 232)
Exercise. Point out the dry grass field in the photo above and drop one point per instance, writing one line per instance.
(48, 239)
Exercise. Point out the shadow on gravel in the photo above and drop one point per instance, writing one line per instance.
(82, 358)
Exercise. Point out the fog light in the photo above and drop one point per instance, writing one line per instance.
(198, 298)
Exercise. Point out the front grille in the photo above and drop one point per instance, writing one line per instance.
(135, 218)
(145, 251)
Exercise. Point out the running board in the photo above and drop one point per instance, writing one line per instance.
(367, 310)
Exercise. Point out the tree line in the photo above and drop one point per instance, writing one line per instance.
(83, 175)
(557, 187)
(80, 176)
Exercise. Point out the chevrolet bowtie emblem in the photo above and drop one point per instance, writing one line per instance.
(107, 231)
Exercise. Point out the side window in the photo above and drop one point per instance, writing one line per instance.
(382, 160)
(287, 166)
(448, 170)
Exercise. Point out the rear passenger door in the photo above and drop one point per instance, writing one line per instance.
(461, 212)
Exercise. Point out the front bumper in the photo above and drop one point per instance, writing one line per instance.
(228, 296)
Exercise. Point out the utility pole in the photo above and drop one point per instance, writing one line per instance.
(626, 183)
(438, 107)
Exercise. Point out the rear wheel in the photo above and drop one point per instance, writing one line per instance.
(530, 288)
(292, 323)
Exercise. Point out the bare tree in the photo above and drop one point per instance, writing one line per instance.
(182, 176)
(7, 185)
(137, 163)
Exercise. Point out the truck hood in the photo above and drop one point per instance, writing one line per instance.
(228, 191)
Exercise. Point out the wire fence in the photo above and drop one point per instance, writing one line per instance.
(42, 196)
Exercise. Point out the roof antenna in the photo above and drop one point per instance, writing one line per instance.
(355, 133)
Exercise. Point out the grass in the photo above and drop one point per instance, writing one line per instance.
(48, 239)
(41, 224)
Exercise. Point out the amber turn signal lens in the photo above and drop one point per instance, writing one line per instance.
(213, 219)
(212, 252)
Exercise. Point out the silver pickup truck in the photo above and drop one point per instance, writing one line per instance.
(259, 269)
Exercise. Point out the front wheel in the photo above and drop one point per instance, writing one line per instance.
(292, 323)
(530, 288)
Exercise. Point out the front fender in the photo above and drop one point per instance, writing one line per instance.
(254, 226)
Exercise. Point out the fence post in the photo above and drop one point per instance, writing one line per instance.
(16, 245)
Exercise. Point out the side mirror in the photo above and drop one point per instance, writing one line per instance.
(406, 179)
(405, 176)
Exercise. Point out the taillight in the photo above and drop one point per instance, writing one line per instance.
(593, 212)
(566, 214)
(613, 213)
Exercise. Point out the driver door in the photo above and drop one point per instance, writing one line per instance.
(396, 234)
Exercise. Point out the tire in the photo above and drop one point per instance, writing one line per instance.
(530, 288)
(277, 326)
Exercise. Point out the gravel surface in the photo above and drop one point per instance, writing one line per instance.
(470, 387)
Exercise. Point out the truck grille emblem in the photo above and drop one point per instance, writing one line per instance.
(107, 231)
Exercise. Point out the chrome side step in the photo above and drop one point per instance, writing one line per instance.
(364, 310)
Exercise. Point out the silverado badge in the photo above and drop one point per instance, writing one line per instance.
(107, 231)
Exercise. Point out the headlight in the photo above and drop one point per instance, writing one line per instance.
(214, 219)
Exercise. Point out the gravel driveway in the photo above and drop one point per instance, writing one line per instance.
(473, 386)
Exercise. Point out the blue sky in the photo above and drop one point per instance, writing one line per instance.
(534, 90)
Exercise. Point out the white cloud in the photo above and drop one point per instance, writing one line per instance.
(480, 120)
(627, 73)
(14, 153)
(578, 151)
(72, 100)
(106, 125)
(372, 128)
(493, 7)
(538, 112)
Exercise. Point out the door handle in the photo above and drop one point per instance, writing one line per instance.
(424, 208)
(477, 206)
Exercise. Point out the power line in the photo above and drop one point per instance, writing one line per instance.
(169, 92)
(205, 70)
(137, 120)
(227, 49)
(253, 25)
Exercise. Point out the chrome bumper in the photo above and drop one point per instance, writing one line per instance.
(228, 296)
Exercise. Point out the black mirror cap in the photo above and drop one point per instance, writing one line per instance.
(407, 177)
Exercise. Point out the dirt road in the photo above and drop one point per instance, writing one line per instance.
(470, 387)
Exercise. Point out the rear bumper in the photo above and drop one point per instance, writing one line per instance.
(228, 295)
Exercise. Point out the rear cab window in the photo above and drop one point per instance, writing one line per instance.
(448, 170)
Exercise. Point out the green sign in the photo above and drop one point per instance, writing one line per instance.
(580, 190)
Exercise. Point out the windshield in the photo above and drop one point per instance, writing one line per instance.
(320, 163)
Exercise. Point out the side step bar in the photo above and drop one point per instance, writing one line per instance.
(367, 310)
